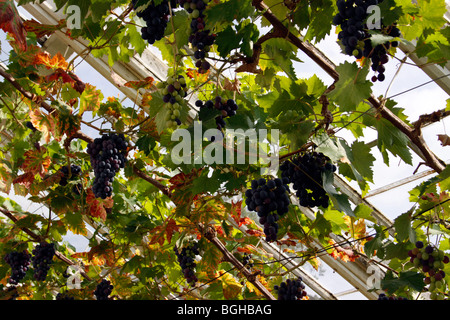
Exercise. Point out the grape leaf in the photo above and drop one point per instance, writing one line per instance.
(409, 279)
(11, 22)
(340, 200)
(403, 228)
(352, 87)
(226, 12)
(392, 139)
(42, 30)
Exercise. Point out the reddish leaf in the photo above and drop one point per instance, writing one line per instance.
(55, 62)
(171, 227)
(97, 207)
(236, 209)
(42, 30)
(44, 124)
(253, 232)
(147, 83)
(36, 161)
(11, 22)
(25, 180)
(91, 99)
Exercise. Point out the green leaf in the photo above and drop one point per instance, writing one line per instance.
(403, 228)
(376, 243)
(392, 139)
(352, 86)
(281, 54)
(227, 11)
(227, 40)
(340, 200)
(406, 279)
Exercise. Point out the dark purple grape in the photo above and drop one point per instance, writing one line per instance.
(42, 259)
(107, 159)
(19, 261)
(186, 260)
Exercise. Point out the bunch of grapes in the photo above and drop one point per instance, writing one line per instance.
(108, 156)
(64, 296)
(355, 37)
(305, 173)
(30, 126)
(383, 296)
(291, 290)
(200, 39)
(156, 19)
(270, 200)
(42, 259)
(186, 259)
(247, 260)
(67, 175)
(174, 91)
(227, 108)
(19, 262)
(431, 262)
(103, 290)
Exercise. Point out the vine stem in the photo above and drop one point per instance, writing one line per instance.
(38, 238)
(414, 135)
(211, 236)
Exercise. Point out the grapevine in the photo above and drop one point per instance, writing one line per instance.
(67, 174)
(103, 290)
(108, 156)
(19, 262)
(227, 108)
(42, 259)
(186, 260)
(291, 289)
(305, 173)
(201, 39)
(355, 36)
(269, 198)
(156, 18)
(430, 261)
(174, 92)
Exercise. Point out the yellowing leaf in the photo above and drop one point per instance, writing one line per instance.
(231, 288)
(36, 161)
(91, 99)
(44, 124)
(55, 62)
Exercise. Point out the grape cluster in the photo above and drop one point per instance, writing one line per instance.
(64, 296)
(108, 155)
(103, 290)
(247, 260)
(305, 173)
(270, 200)
(30, 126)
(174, 92)
(42, 259)
(19, 262)
(68, 175)
(291, 289)
(355, 37)
(431, 262)
(227, 107)
(200, 39)
(383, 296)
(186, 259)
(156, 19)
